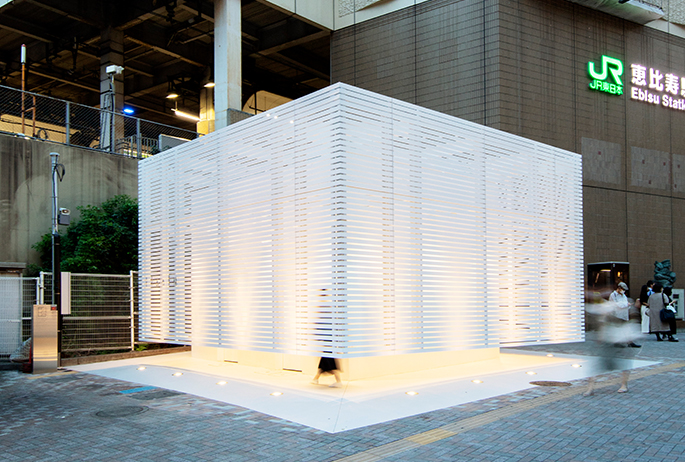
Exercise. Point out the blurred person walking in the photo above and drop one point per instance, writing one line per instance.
(612, 340)
(323, 334)
(328, 366)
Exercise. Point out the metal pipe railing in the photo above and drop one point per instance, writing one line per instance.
(75, 124)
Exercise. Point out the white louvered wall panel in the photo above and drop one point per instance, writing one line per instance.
(429, 233)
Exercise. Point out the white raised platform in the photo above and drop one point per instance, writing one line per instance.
(360, 402)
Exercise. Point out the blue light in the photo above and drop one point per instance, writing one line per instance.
(129, 110)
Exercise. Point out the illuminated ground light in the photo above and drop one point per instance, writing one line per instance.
(276, 393)
(412, 393)
(177, 374)
(531, 373)
(477, 381)
(550, 355)
(223, 382)
(141, 368)
(576, 365)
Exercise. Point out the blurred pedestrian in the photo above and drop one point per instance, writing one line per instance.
(323, 335)
(611, 346)
(328, 366)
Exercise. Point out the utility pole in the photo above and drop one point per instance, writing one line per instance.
(57, 173)
(108, 129)
(23, 86)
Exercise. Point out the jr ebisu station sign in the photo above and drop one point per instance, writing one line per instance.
(648, 85)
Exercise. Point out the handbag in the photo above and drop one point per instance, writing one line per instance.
(666, 315)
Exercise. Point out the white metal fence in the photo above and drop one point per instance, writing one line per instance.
(17, 297)
(104, 311)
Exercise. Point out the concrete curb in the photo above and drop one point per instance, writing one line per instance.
(127, 355)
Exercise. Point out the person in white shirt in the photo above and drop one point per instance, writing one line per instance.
(642, 303)
(621, 306)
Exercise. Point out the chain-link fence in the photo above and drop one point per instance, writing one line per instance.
(38, 116)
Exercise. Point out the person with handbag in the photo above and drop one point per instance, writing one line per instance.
(657, 302)
(669, 314)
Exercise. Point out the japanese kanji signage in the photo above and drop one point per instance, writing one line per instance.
(653, 86)
(649, 85)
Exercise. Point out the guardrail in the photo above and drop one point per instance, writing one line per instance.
(38, 116)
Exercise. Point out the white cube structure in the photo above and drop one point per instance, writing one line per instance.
(354, 225)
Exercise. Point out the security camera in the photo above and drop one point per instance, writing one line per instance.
(114, 70)
(64, 216)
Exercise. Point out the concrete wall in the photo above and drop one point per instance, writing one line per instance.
(521, 66)
(26, 195)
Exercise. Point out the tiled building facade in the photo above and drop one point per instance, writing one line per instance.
(522, 67)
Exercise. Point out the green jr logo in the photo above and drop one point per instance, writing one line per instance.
(609, 79)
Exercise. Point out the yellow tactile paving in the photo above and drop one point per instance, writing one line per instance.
(449, 430)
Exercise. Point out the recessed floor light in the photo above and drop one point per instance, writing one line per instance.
(412, 393)
(576, 365)
(141, 368)
(477, 381)
(550, 355)
(177, 374)
(276, 393)
(531, 373)
(223, 382)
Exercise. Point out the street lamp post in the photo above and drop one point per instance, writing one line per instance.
(56, 274)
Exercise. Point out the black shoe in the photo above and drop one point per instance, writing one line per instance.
(635, 345)
(672, 339)
(658, 338)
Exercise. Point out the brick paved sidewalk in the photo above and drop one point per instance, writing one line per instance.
(76, 416)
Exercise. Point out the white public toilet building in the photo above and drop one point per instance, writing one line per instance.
(353, 225)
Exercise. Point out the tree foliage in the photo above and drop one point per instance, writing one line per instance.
(104, 240)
